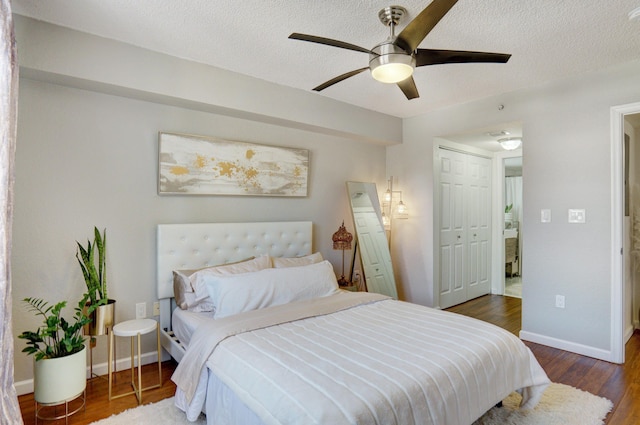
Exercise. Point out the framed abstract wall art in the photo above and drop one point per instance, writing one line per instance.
(199, 165)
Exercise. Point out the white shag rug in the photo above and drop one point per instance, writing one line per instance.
(560, 405)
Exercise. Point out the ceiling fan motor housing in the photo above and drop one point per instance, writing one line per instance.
(389, 63)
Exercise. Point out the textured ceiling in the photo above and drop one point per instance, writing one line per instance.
(548, 39)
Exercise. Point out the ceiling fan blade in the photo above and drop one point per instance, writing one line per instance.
(328, 42)
(339, 78)
(409, 88)
(415, 31)
(435, 57)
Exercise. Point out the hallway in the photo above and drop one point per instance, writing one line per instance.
(513, 286)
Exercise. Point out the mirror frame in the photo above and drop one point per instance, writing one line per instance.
(371, 239)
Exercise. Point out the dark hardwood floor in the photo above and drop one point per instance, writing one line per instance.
(618, 383)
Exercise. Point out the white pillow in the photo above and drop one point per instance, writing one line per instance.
(279, 262)
(251, 291)
(193, 298)
(183, 293)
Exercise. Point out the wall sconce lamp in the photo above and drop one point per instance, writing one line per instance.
(392, 206)
(342, 240)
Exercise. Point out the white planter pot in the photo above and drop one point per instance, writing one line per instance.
(61, 379)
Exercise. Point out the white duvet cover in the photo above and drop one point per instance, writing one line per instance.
(359, 358)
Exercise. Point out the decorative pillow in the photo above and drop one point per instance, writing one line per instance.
(188, 302)
(189, 298)
(251, 291)
(182, 292)
(280, 262)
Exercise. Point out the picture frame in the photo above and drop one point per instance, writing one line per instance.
(202, 165)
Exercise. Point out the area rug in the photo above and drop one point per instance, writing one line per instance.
(560, 404)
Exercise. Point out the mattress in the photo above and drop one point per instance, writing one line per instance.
(184, 323)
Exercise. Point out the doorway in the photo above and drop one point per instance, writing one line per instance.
(630, 224)
(624, 120)
(512, 230)
(451, 241)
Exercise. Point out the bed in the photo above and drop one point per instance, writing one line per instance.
(331, 357)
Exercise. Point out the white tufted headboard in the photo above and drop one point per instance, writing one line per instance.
(193, 246)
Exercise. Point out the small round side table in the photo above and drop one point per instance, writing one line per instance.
(135, 328)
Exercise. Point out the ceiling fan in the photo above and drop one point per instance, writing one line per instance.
(394, 60)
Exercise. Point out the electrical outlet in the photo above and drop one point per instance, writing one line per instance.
(560, 301)
(156, 308)
(141, 310)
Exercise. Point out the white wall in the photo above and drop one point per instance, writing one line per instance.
(566, 156)
(85, 157)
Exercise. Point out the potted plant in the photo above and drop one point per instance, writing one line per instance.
(103, 308)
(508, 215)
(60, 361)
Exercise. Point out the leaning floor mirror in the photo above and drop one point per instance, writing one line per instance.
(371, 239)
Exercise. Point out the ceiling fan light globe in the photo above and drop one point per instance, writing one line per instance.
(392, 72)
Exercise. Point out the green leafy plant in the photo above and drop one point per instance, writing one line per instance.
(508, 208)
(94, 277)
(57, 337)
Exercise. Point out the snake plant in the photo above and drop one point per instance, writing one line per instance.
(94, 277)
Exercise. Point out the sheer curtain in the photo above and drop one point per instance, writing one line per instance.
(9, 408)
(513, 195)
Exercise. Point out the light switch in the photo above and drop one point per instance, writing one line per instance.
(545, 216)
(577, 216)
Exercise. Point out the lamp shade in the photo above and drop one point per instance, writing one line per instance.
(342, 239)
(387, 196)
(401, 211)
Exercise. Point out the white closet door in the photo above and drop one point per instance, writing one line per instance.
(453, 235)
(479, 226)
(464, 227)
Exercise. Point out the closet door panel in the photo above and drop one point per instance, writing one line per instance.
(453, 238)
(464, 227)
(479, 181)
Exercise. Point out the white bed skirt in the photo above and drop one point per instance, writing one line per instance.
(222, 406)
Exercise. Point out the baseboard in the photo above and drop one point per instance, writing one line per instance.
(628, 332)
(584, 350)
(26, 386)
